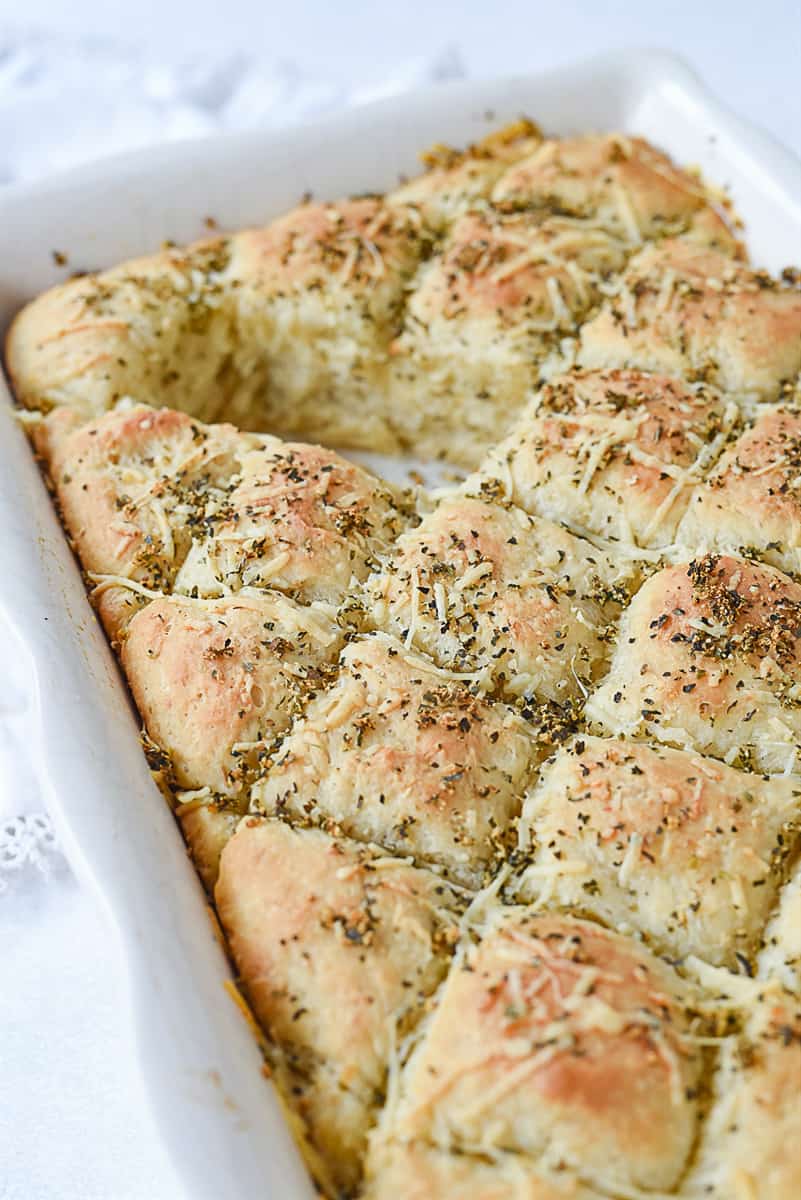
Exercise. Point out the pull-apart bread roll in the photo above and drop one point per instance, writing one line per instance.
(337, 949)
(297, 517)
(613, 453)
(486, 588)
(709, 658)
(157, 330)
(496, 789)
(484, 313)
(680, 847)
(157, 498)
(137, 484)
(751, 502)
(622, 184)
(318, 297)
(216, 681)
(556, 1040)
(402, 753)
(457, 180)
(686, 310)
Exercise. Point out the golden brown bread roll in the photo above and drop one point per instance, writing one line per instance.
(156, 330)
(296, 517)
(750, 502)
(313, 921)
(685, 310)
(485, 311)
(484, 587)
(402, 753)
(667, 842)
(621, 183)
(709, 658)
(136, 484)
(217, 681)
(563, 1042)
(317, 297)
(614, 453)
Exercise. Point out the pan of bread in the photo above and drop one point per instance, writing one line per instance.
(494, 787)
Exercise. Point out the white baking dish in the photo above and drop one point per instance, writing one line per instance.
(217, 1112)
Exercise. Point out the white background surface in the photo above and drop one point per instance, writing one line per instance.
(747, 50)
(77, 1126)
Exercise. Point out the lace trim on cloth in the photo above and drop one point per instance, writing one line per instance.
(27, 842)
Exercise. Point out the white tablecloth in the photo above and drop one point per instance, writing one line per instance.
(73, 1121)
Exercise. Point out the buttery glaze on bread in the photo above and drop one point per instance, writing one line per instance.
(497, 790)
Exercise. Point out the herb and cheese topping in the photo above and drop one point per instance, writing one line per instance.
(496, 789)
